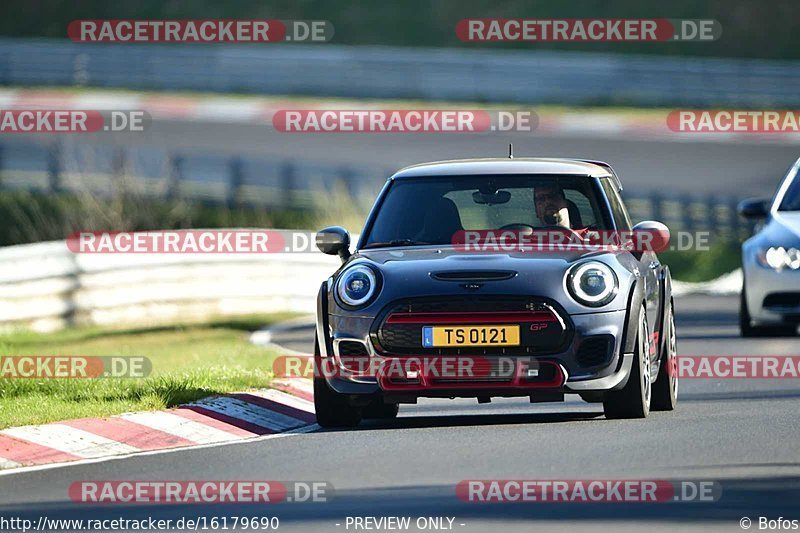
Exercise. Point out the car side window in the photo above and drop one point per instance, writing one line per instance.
(621, 218)
(584, 206)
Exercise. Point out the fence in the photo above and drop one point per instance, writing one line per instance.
(245, 181)
(45, 286)
(468, 74)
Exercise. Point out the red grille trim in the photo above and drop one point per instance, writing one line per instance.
(470, 318)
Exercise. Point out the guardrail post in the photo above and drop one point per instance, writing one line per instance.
(287, 183)
(711, 217)
(656, 207)
(736, 222)
(348, 177)
(118, 162)
(236, 179)
(54, 167)
(686, 209)
(175, 176)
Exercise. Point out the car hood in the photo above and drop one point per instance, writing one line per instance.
(782, 229)
(789, 222)
(449, 257)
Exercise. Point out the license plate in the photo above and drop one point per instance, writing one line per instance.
(442, 336)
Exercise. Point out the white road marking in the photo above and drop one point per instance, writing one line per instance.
(260, 416)
(181, 427)
(8, 463)
(69, 440)
(286, 399)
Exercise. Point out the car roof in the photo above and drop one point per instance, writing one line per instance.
(526, 165)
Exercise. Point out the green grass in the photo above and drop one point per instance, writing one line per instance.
(189, 362)
(693, 265)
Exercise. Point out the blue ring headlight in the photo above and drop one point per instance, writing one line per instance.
(356, 285)
(592, 283)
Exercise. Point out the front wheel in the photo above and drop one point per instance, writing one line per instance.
(332, 409)
(633, 400)
(377, 409)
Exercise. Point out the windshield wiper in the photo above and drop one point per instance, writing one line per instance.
(397, 242)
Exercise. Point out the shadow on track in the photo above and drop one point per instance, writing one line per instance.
(414, 422)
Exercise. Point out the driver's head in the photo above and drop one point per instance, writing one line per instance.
(549, 200)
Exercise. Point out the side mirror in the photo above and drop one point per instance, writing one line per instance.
(649, 236)
(334, 241)
(754, 208)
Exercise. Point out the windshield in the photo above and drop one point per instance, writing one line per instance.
(431, 210)
(791, 200)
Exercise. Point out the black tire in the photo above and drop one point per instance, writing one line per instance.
(382, 411)
(332, 409)
(748, 330)
(665, 388)
(633, 400)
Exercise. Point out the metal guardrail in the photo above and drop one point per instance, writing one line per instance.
(45, 286)
(467, 74)
(246, 181)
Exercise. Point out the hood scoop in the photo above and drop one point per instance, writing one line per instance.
(473, 275)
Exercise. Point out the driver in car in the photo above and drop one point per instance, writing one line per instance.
(552, 206)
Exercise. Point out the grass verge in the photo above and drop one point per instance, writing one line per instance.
(189, 362)
(695, 265)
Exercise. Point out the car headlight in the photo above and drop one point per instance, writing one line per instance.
(356, 286)
(592, 283)
(778, 258)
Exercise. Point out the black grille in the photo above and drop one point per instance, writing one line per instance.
(400, 335)
(485, 370)
(471, 304)
(537, 337)
(595, 350)
(782, 299)
(474, 275)
(352, 349)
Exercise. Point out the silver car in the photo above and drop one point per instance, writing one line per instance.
(770, 300)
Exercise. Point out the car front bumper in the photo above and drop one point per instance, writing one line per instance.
(572, 375)
(772, 297)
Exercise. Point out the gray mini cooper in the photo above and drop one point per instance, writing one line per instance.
(451, 291)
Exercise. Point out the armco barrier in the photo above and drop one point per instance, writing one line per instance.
(45, 286)
(466, 74)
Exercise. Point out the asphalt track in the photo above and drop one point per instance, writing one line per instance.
(741, 433)
(671, 164)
